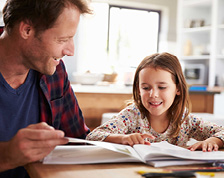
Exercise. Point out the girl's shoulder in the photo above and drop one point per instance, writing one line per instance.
(191, 118)
(131, 109)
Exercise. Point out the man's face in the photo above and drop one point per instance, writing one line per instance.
(43, 52)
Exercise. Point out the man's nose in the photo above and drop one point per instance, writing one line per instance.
(69, 48)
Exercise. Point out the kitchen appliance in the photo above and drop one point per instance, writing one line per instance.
(195, 74)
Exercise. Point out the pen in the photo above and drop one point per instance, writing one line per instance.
(210, 174)
(188, 173)
(170, 174)
(220, 164)
(203, 169)
(153, 171)
(216, 169)
(178, 174)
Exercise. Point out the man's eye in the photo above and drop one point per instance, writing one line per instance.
(63, 41)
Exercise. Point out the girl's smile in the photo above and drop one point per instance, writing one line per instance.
(155, 103)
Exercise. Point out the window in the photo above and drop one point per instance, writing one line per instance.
(115, 38)
(133, 34)
(2, 3)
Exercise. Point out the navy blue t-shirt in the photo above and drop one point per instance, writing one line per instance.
(18, 109)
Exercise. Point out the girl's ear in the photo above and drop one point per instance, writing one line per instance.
(138, 90)
(178, 91)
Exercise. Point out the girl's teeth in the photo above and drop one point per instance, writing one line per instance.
(155, 103)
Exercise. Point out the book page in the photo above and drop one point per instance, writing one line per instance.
(98, 152)
(161, 149)
(85, 155)
(125, 149)
(164, 163)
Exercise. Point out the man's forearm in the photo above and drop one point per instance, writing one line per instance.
(4, 160)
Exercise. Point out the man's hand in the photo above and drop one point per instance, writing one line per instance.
(29, 145)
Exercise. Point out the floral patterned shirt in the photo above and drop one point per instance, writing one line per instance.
(129, 121)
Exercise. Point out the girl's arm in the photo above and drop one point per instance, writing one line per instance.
(125, 122)
(209, 135)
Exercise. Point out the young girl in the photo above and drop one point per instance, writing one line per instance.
(160, 111)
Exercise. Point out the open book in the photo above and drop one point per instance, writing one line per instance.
(157, 154)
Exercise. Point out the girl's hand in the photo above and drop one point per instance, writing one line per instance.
(210, 144)
(129, 139)
(136, 138)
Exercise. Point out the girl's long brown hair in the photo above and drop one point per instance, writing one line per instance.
(181, 104)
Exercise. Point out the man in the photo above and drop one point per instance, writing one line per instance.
(37, 105)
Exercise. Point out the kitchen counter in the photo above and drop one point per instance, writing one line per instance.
(110, 88)
(95, 100)
(122, 89)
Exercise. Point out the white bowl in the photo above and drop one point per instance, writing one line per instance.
(87, 78)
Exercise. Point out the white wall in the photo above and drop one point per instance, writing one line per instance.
(2, 3)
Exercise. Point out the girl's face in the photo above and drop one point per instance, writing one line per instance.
(157, 90)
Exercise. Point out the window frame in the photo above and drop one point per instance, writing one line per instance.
(133, 8)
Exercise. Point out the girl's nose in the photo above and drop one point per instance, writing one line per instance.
(153, 93)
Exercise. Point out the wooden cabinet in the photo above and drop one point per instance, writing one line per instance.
(202, 102)
(93, 105)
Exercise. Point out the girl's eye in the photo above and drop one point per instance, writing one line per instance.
(145, 88)
(162, 88)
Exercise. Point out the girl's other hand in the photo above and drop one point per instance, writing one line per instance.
(136, 138)
(210, 144)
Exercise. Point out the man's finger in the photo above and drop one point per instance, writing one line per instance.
(38, 134)
(41, 125)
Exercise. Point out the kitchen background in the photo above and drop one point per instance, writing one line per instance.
(110, 43)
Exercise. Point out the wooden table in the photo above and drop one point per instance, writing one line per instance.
(110, 170)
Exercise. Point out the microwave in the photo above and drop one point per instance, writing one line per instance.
(195, 74)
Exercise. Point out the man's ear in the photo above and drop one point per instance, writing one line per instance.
(25, 29)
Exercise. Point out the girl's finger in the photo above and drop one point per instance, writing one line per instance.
(204, 147)
(216, 147)
(210, 147)
(147, 143)
(148, 136)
